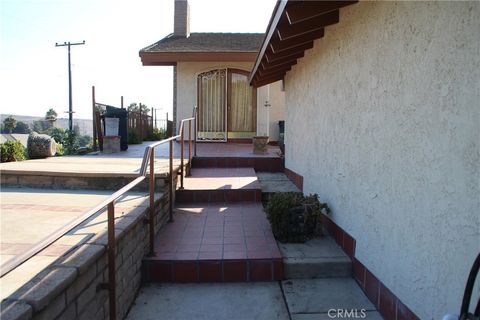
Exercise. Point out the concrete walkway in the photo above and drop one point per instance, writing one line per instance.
(302, 299)
(272, 182)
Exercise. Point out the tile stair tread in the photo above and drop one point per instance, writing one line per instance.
(222, 179)
(317, 258)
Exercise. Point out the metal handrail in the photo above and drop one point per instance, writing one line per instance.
(148, 161)
(18, 260)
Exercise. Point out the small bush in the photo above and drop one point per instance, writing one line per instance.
(59, 134)
(70, 144)
(133, 137)
(156, 135)
(84, 140)
(12, 151)
(60, 152)
(295, 217)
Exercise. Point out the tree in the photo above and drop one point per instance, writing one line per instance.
(133, 107)
(22, 127)
(40, 126)
(9, 124)
(51, 113)
(51, 117)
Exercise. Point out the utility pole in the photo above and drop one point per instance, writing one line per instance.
(70, 109)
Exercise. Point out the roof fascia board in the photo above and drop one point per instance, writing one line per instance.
(310, 9)
(281, 5)
(171, 58)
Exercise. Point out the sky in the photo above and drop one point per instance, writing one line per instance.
(34, 73)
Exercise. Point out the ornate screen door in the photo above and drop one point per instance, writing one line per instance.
(212, 91)
(226, 105)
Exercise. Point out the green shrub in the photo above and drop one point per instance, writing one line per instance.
(85, 140)
(133, 137)
(157, 135)
(60, 151)
(295, 217)
(12, 151)
(59, 134)
(70, 144)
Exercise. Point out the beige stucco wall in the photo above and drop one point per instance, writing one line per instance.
(383, 123)
(187, 93)
(274, 113)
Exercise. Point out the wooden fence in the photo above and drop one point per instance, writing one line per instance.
(141, 123)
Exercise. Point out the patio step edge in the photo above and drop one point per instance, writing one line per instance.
(75, 182)
(265, 164)
(224, 270)
(220, 196)
(313, 268)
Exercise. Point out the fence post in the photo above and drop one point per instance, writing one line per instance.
(195, 132)
(151, 125)
(152, 201)
(140, 121)
(93, 120)
(111, 261)
(181, 157)
(189, 147)
(172, 188)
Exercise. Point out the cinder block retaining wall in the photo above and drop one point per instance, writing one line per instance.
(70, 288)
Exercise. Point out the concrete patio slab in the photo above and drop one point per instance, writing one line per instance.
(84, 166)
(210, 301)
(318, 296)
(29, 215)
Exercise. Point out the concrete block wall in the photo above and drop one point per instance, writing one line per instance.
(71, 287)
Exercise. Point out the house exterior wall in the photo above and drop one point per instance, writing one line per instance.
(382, 121)
(276, 110)
(187, 94)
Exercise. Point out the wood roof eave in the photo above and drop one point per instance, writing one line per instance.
(172, 58)
(293, 28)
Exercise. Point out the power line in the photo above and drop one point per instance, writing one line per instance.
(70, 109)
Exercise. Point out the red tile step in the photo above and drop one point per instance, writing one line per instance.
(225, 185)
(266, 164)
(215, 243)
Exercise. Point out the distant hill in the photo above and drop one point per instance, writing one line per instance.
(85, 125)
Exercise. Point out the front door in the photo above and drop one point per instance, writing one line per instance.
(226, 105)
(241, 106)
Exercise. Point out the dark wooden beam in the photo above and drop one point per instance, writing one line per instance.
(286, 31)
(268, 65)
(271, 57)
(278, 67)
(266, 81)
(272, 72)
(260, 77)
(278, 45)
(304, 10)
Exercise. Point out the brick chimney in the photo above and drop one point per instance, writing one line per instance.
(181, 23)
